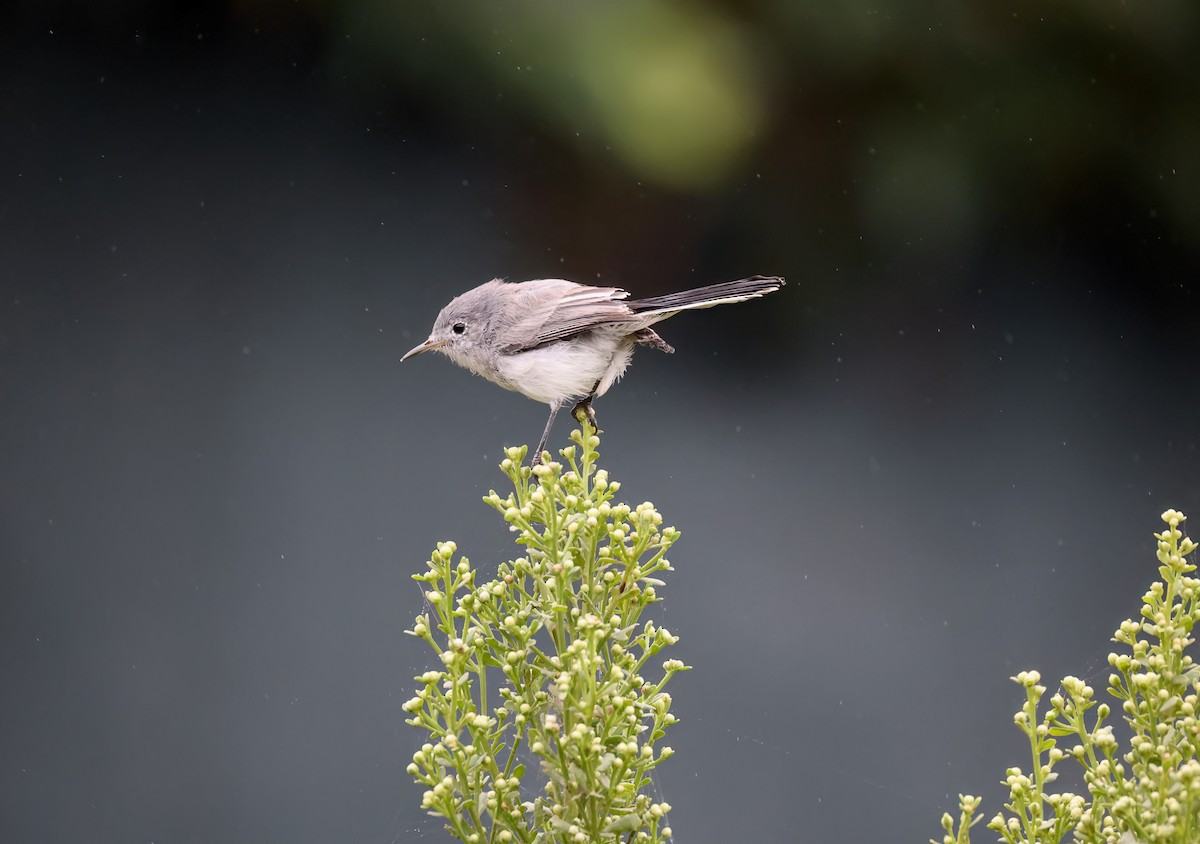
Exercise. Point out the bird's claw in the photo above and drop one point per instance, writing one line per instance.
(585, 414)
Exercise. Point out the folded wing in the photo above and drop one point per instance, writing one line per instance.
(555, 309)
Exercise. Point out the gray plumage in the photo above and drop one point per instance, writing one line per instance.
(557, 341)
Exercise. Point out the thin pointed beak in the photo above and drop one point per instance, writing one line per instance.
(428, 346)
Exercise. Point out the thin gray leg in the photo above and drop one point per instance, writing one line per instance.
(537, 455)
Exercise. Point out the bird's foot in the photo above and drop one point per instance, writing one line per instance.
(584, 413)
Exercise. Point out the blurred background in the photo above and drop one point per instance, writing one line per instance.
(935, 459)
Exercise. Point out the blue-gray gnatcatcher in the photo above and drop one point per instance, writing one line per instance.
(557, 341)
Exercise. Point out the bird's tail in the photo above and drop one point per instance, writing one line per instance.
(706, 297)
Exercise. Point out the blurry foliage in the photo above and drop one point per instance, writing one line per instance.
(823, 124)
(936, 116)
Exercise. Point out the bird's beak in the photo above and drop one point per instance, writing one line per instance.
(428, 346)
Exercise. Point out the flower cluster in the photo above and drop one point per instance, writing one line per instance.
(550, 661)
(1150, 792)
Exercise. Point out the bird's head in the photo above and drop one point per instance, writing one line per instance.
(458, 332)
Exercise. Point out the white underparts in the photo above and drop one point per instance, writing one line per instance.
(567, 370)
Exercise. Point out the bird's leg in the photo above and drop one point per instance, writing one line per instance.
(583, 410)
(537, 455)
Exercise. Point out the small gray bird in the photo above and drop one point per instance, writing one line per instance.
(557, 341)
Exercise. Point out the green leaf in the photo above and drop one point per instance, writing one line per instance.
(557, 823)
(625, 823)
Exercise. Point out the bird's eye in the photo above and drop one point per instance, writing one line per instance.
(459, 328)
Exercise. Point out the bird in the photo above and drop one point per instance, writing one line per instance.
(558, 341)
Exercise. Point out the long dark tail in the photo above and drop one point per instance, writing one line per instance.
(713, 294)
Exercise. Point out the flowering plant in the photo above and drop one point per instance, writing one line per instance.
(549, 661)
(1150, 792)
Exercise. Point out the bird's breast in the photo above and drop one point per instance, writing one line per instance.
(565, 370)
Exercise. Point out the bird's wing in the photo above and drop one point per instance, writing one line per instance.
(553, 309)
